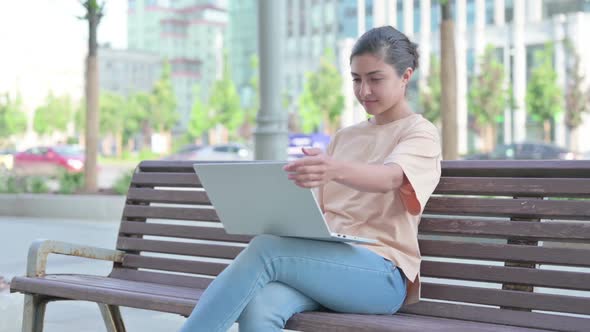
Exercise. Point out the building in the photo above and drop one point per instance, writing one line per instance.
(516, 28)
(125, 72)
(186, 33)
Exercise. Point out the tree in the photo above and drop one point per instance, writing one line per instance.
(225, 102)
(543, 96)
(55, 115)
(488, 98)
(430, 93)
(201, 119)
(113, 117)
(253, 104)
(322, 100)
(163, 115)
(13, 120)
(448, 81)
(576, 101)
(94, 14)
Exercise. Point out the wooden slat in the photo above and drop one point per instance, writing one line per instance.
(561, 231)
(515, 187)
(505, 252)
(181, 231)
(148, 195)
(520, 208)
(173, 265)
(497, 316)
(515, 299)
(183, 166)
(501, 274)
(194, 282)
(517, 168)
(178, 248)
(190, 180)
(176, 213)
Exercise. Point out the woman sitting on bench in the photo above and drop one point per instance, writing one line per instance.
(373, 182)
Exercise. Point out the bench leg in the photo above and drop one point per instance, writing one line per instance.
(33, 313)
(112, 317)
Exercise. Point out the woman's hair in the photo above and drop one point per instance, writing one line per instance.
(390, 45)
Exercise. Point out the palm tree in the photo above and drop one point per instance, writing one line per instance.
(94, 13)
(448, 79)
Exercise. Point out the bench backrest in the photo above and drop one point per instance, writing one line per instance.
(502, 241)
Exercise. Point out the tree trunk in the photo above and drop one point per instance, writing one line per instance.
(547, 131)
(94, 14)
(448, 77)
(119, 144)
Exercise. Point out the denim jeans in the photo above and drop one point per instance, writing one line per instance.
(277, 277)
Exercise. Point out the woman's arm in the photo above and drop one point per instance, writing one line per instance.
(318, 168)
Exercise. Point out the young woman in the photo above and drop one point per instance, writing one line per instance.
(373, 182)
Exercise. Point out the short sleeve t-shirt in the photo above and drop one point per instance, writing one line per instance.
(391, 218)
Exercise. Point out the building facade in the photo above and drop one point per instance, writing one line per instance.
(186, 33)
(515, 28)
(125, 72)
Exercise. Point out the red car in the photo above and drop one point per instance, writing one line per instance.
(49, 161)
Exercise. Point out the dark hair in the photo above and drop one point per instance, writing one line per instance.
(390, 45)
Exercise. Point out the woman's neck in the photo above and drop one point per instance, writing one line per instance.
(396, 112)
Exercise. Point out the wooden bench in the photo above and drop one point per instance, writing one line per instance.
(505, 246)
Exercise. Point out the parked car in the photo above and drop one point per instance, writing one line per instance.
(49, 160)
(298, 141)
(187, 152)
(230, 151)
(523, 151)
(6, 159)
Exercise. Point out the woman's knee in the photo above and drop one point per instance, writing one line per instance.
(263, 242)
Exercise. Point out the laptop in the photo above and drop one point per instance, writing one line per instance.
(254, 198)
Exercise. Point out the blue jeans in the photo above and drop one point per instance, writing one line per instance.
(277, 277)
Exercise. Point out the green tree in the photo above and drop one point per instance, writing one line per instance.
(544, 98)
(322, 101)
(487, 98)
(55, 115)
(163, 115)
(113, 117)
(225, 102)
(201, 119)
(13, 120)
(94, 14)
(576, 101)
(430, 93)
(136, 108)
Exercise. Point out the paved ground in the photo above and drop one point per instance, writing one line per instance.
(16, 234)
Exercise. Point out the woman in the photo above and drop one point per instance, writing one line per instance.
(373, 182)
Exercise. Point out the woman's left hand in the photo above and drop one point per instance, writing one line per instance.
(313, 170)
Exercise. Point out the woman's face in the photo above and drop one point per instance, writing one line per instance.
(378, 87)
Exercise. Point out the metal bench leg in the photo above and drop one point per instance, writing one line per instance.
(112, 317)
(34, 313)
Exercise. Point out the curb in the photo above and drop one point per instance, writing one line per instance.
(94, 207)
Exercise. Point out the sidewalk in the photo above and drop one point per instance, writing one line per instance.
(16, 233)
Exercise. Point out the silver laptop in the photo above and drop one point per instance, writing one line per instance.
(254, 198)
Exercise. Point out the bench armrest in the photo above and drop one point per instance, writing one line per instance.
(40, 249)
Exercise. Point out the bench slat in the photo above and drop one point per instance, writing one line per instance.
(179, 248)
(497, 316)
(147, 195)
(160, 278)
(166, 180)
(177, 213)
(502, 274)
(181, 231)
(536, 187)
(173, 265)
(517, 168)
(505, 252)
(499, 297)
(562, 231)
(521, 208)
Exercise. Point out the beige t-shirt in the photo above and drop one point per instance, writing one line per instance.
(391, 218)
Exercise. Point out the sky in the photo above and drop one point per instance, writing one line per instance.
(44, 45)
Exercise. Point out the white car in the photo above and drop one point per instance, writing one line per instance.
(224, 152)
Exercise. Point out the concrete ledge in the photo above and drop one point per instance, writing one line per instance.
(95, 207)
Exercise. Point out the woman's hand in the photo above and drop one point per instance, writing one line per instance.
(313, 170)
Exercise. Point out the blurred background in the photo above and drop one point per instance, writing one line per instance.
(178, 80)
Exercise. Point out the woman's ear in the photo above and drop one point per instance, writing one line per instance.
(407, 75)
